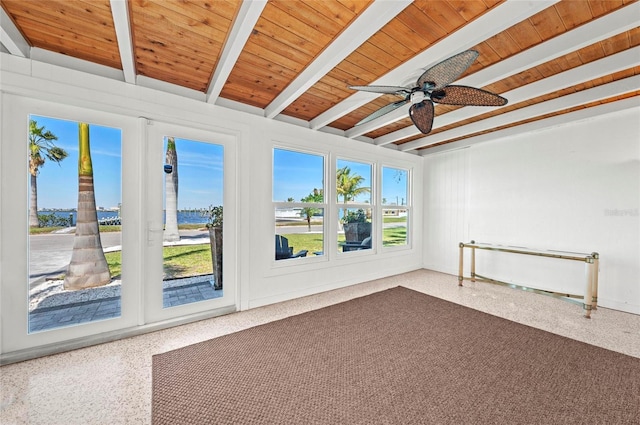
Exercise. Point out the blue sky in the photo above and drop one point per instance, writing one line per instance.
(296, 174)
(200, 171)
(58, 184)
(199, 168)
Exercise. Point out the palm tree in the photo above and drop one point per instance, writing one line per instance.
(40, 147)
(88, 266)
(171, 193)
(308, 212)
(348, 186)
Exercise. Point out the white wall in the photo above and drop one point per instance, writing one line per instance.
(574, 187)
(259, 279)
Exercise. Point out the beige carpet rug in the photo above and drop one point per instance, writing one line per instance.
(395, 357)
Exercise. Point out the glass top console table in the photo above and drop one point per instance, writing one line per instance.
(590, 295)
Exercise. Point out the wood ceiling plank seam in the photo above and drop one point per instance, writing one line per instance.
(303, 12)
(55, 42)
(151, 20)
(122, 26)
(585, 58)
(256, 99)
(338, 12)
(469, 9)
(277, 32)
(617, 43)
(64, 9)
(348, 67)
(31, 22)
(482, 28)
(303, 30)
(88, 57)
(307, 108)
(278, 77)
(592, 52)
(421, 24)
(573, 13)
(599, 8)
(11, 36)
(558, 47)
(214, 18)
(278, 53)
(227, 8)
(380, 53)
(165, 43)
(265, 82)
(171, 72)
(175, 70)
(442, 13)
(524, 35)
(367, 24)
(189, 15)
(399, 34)
(550, 87)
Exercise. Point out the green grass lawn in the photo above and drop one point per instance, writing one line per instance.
(178, 261)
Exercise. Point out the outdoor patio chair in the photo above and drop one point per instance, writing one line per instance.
(356, 246)
(284, 251)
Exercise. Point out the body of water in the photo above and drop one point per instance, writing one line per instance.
(184, 217)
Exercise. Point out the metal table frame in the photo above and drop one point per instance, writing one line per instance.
(590, 296)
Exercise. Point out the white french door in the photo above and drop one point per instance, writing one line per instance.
(136, 260)
(189, 168)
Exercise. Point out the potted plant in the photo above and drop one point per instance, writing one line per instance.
(356, 227)
(214, 224)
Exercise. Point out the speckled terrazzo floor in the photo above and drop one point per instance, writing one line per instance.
(111, 383)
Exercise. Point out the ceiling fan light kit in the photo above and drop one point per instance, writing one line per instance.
(434, 86)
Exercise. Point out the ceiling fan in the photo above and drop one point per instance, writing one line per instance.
(434, 86)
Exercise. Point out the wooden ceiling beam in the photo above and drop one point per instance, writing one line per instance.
(122, 24)
(11, 37)
(606, 66)
(486, 26)
(593, 32)
(368, 23)
(561, 118)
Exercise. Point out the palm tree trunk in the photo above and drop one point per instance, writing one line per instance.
(33, 202)
(88, 266)
(171, 233)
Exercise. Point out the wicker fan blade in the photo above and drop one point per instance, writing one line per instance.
(422, 115)
(465, 96)
(447, 71)
(384, 110)
(400, 91)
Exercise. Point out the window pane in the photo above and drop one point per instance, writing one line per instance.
(298, 179)
(394, 186)
(193, 184)
(394, 226)
(395, 211)
(353, 182)
(299, 232)
(296, 175)
(74, 218)
(354, 233)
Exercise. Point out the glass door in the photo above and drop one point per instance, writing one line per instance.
(69, 271)
(187, 228)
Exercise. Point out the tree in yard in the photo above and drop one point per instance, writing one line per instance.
(171, 233)
(348, 186)
(41, 148)
(88, 266)
(308, 212)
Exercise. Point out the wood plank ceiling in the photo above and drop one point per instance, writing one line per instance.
(293, 60)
